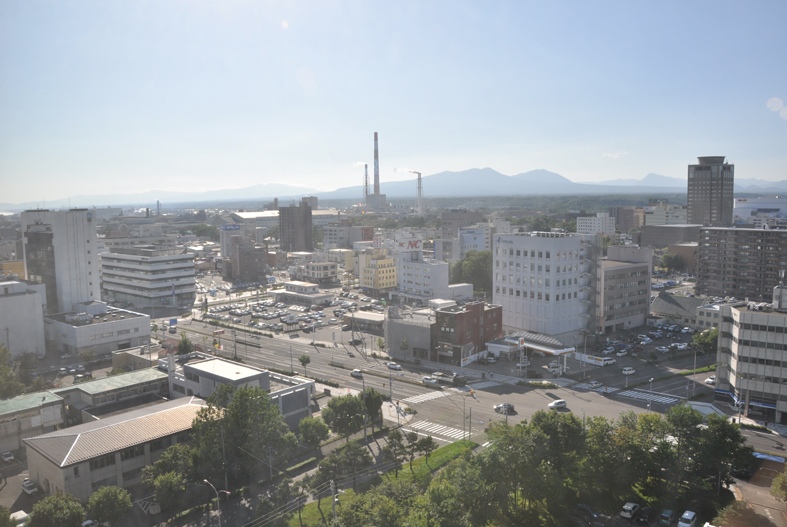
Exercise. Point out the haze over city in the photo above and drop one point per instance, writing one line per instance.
(101, 98)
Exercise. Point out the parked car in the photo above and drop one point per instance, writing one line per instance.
(622, 353)
(394, 366)
(711, 380)
(688, 519)
(629, 510)
(8, 457)
(29, 487)
(523, 364)
(504, 408)
(645, 516)
(667, 518)
(608, 351)
(559, 403)
(628, 370)
(428, 379)
(645, 342)
(662, 349)
(346, 327)
(491, 360)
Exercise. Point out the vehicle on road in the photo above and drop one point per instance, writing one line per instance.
(629, 510)
(711, 380)
(356, 373)
(355, 341)
(346, 327)
(8, 457)
(559, 403)
(491, 359)
(428, 379)
(688, 519)
(628, 370)
(29, 487)
(504, 408)
(523, 364)
(394, 366)
(595, 384)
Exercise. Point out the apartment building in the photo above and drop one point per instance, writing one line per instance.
(378, 272)
(628, 219)
(295, 228)
(740, 263)
(665, 215)
(455, 219)
(710, 192)
(149, 276)
(751, 371)
(601, 223)
(61, 252)
(546, 283)
(624, 295)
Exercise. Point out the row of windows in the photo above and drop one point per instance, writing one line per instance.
(523, 253)
(759, 344)
(759, 327)
(541, 268)
(535, 295)
(533, 281)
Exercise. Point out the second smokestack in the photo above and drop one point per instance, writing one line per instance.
(376, 167)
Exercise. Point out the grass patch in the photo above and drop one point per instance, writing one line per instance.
(750, 426)
(440, 458)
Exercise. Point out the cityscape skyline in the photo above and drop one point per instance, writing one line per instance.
(111, 99)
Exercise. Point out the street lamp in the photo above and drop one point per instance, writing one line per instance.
(218, 502)
(694, 377)
(651, 384)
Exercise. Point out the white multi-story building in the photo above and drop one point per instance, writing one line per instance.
(601, 223)
(665, 215)
(22, 313)
(424, 279)
(61, 251)
(545, 282)
(475, 238)
(752, 355)
(147, 276)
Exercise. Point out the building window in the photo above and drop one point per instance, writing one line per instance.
(132, 474)
(102, 462)
(76, 471)
(132, 452)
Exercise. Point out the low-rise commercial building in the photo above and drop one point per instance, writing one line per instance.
(410, 334)
(303, 294)
(112, 451)
(624, 295)
(96, 328)
(461, 332)
(316, 272)
(22, 308)
(29, 415)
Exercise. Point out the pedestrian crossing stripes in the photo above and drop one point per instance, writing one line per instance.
(486, 444)
(649, 397)
(586, 386)
(424, 397)
(485, 384)
(434, 429)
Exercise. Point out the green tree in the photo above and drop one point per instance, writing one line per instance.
(380, 343)
(373, 401)
(170, 489)
(5, 517)
(313, 431)
(354, 456)
(477, 270)
(779, 487)
(739, 514)
(108, 504)
(177, 458)
(184, 344)
(28, 361)
(426, 445)
(411, 447)
(206, 231)
(706, 341)
(88, 356)
(672, 261)
(459, 496)
(395, 450)
(154, 328)
(344, 415)
(58, 510)
(455, 273)
(304, 360)
(9, 385)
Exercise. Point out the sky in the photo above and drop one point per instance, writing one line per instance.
(100, 97)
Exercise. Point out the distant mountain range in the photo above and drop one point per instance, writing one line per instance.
(472, 182)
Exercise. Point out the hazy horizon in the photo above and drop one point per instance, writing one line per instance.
(121, 98)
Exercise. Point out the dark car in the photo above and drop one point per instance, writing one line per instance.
(645, 516)
(354, 342)
(482, 362)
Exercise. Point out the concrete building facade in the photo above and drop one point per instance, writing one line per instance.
(295, 228)
(660, 236)
(22, 308)
(601, 223)
(710, 192)
(61, 251)
(455, 219)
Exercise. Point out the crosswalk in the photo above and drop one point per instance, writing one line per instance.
(645, 396)
(586, 386)
(484, 384)
(433, 429)
(428, 396)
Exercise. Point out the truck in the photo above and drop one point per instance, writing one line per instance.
(592, 359)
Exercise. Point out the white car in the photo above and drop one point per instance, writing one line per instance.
(662, 349)
(622, 353)
(595, 384)
(711, 380)
(523, 364)
(356, 373)
(491, 360)
(8, 457)
(686, 330)
(608, 351)
(645, 342)
(394, 366)
(429, 380)
(29, 487)
(628, 370)
(560, 403)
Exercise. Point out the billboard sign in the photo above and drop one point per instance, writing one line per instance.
(409, 245)
(230, 227)
(377, 242)
(173, 322)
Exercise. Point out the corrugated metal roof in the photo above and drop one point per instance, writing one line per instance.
(682, 306)
(115, 382)
(87, 441)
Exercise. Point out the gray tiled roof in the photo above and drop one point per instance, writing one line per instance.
(87, 441)
(27, 402)
(681, 306)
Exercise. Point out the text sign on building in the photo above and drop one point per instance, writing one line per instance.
(377, 242)
(521, 343)
(173, 322)
(230, 227)
(409, 245)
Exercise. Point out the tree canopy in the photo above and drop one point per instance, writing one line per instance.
(57, 510)
(476, 269)
(108, 504)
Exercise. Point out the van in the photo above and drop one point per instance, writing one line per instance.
(628, 370)
(667, 518)
(607, 361)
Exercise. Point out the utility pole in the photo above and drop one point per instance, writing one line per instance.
(363, 384)
(333, 500)
(224, 456)
(291, 368)
(7, 343)
(470, 426)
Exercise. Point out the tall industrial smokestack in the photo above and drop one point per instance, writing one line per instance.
(376, 168)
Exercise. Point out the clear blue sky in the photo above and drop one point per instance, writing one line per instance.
(103, 97)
